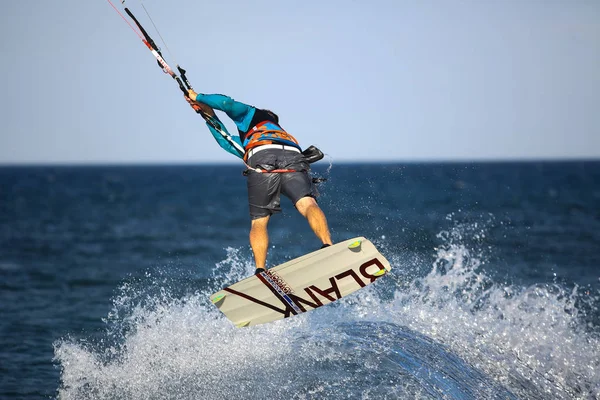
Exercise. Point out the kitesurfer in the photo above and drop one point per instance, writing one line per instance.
(276, 164)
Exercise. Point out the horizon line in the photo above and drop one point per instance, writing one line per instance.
(342, 162)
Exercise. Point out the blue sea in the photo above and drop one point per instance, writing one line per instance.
(494, 291)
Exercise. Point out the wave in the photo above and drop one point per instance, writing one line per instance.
(450, 334)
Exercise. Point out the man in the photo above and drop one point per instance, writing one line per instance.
(276, 165)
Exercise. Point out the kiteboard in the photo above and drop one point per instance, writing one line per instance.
(302, 284)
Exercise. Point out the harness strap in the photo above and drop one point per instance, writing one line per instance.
(266, 171)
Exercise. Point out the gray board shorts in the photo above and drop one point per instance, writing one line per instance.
(265, 189)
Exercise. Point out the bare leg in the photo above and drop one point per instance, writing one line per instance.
(259, 240)
(308, 207)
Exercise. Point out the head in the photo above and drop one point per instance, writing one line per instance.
(274, 116)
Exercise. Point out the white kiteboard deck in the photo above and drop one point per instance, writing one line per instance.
(302, 284)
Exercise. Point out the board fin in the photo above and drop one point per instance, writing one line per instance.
(355, 246)
(218, 299)
(242, 324)
(380, 272)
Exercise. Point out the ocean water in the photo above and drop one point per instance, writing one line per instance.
(494, 292)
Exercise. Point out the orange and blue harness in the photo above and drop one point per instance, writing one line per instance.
(268, 132)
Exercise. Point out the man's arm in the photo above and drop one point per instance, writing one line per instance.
(239, 112)
(223, 142)
(215, 126)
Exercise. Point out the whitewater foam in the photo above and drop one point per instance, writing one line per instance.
(484, 336)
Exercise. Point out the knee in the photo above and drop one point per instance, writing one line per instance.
(305, 204)
(259, 224)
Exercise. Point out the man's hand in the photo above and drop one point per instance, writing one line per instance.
(190, 101)
(200, 108)
(191, 94)
(195, 105)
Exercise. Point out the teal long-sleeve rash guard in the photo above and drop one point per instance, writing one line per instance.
(241, 114)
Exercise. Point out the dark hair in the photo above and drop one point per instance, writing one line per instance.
(272, 115)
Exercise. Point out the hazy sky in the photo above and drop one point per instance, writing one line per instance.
(363, 80)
